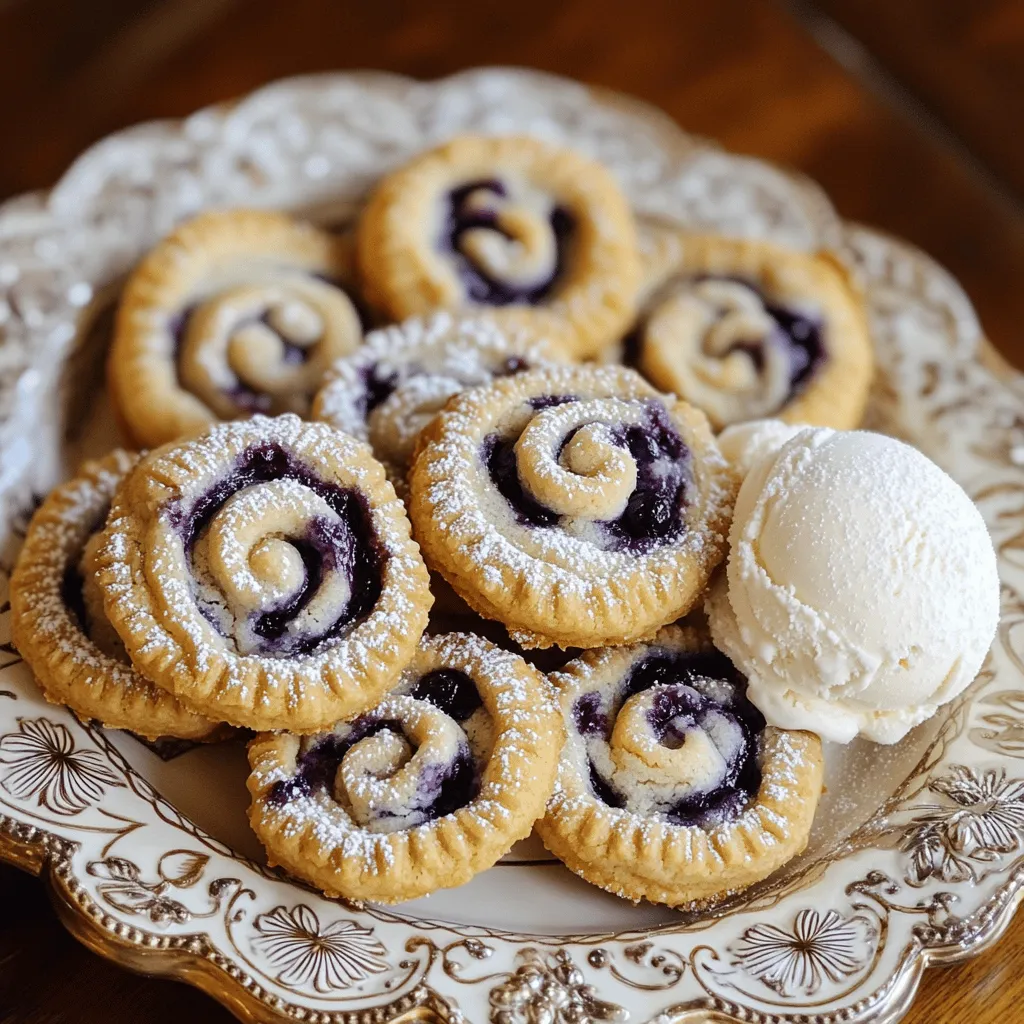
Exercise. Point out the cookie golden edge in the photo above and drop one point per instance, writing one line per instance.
(184, 654)
(148, 398)
(403, 275)
(69, 668)
(688, 867)
(837, 394)
(540, 612)
(450, 850)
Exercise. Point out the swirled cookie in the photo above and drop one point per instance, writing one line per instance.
(235, 312)
(670, 786)
(421, 793)
(577, 505)
(511, 223)
(746, 330)
(394, 384)
(58, 621)
(264, 573)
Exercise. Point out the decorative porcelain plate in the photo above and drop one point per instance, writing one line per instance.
(917, 855)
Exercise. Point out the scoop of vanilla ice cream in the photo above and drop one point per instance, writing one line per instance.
(861, 589)
(744, 444)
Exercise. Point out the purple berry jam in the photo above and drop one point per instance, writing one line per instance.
(680, 706)
(450, 690)
(589, 717)
(654, 512)
(441, 791)
(540, 402)
(481, 287)
(498, 455)
(379, 387)
(350, 545)
(802, 336)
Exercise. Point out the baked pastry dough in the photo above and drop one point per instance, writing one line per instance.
(264, 573)
(526, 228)
(58, 621)
(235, 312)
(670, 786)
(394, 384)
(430, 787)
(746, 330)
(577, 505)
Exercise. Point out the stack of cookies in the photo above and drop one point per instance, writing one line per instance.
(496, 391)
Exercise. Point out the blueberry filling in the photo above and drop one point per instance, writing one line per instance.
(72, 594)
(588, 717)
(442, 790)
(378, 386)
(678, 707)
(654, 512)
(540, 402)
(481, 287)
(450, 690)
(512, 366)
(802, 336)
(499, 456)
(328, 544)
(806, 346)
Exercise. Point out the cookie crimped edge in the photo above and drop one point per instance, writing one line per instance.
(180, 650)
(70, 668)
(403, 274)
(142, 374)
(406, 339)
(447, 852)
(836, 395)
(681, 865)
(543, 604)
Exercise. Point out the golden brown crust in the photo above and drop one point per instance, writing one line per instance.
(225, 270)
(422, 362)
(71, 667)
(149, 580)
(404, 273)
(557, 584)
(641, 856)
(315, 837)
(702, 353)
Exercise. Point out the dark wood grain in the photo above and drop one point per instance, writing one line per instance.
(963, 61)
(747, 72)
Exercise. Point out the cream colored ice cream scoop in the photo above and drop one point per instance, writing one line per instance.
(861, 590)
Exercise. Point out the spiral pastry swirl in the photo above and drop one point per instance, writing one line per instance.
(576, 505)
(663, 745)
(512, 224)
(745, 330)
(264, 571)
(393, 385)
(234, 313)
(431, 786)
(59, 624)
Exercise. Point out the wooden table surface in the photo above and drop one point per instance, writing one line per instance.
(908, 112)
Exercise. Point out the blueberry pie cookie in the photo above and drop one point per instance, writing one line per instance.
(514, 224)
(430, 787)
(394, 384)
(264, 573)
(235, 312)
(58, 621)
(577, 505)
(671, 788)
(746, 330)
